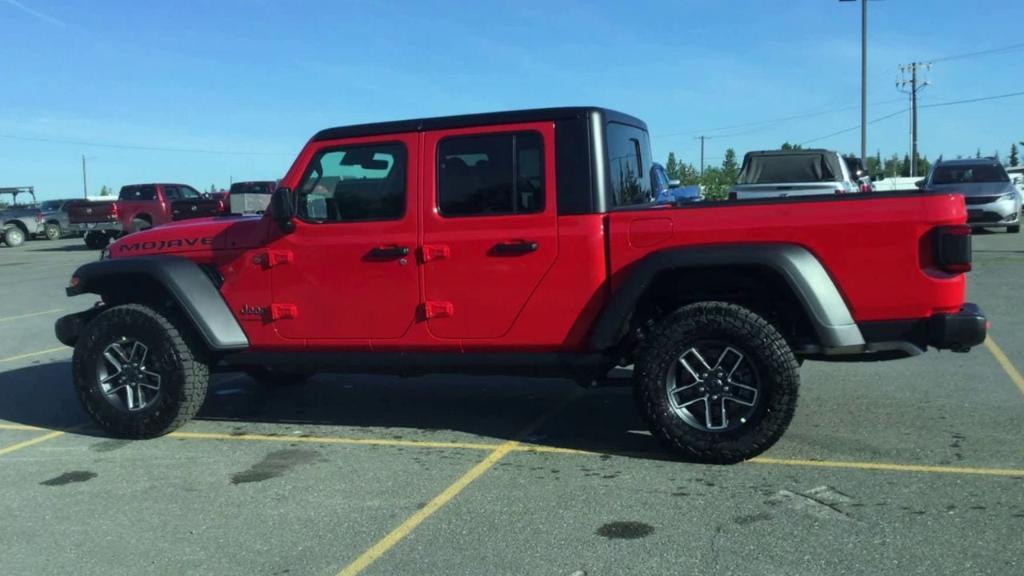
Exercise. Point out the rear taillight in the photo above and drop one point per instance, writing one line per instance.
(953, 248)
(221, 206)
(113, 211)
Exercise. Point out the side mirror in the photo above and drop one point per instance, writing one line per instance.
(674, 183)
(282, 208)
(919, 184)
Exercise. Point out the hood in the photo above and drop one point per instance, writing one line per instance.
(975, 188)
(197, 235)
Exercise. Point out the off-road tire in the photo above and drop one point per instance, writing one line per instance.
(53, 231)
(175, 354)
(277, 377)
(769, 355)
(14, 236)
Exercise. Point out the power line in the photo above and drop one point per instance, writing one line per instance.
(852, 128)
(1000, 50)
(761, 124)
(969, 100)
(143, 148)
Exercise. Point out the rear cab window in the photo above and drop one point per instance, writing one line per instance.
(629, 163)
(132, 193)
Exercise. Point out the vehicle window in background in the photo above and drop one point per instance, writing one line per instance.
(172, 193)
(188, 192)
(970, 173)
(137, 193)
(51, 205)
(628, 154)
(491, 175)
(355, 184)
(252, 188)
(785, 168)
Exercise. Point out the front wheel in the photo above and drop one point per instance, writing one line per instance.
(1013, 229)
(717, 383)
(137, 373)
(14, 237)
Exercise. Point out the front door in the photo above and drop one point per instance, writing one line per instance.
(490, 227)
(348, 270)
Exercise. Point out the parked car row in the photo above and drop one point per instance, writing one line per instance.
(143, 206)
(22, 222)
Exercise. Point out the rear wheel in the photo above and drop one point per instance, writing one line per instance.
(14, 236)
(1013, 229)
(139, 224)
(52, 231)
(96, 240)
(717, 383)
(137, 373)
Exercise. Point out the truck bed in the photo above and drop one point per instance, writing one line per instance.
(875, 246)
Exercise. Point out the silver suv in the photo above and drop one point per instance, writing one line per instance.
(992, 200)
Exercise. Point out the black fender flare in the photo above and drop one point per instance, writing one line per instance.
(190, 287)
(799, 268)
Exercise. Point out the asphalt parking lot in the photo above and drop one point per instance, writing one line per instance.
(910, 467)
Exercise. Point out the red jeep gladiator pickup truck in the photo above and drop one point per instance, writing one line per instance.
(139, 207)
(521, 242)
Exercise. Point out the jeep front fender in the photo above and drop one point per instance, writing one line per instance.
(184, 281)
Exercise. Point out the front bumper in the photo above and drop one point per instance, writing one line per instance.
(69, 328)
(958, 331)
(1004, 212)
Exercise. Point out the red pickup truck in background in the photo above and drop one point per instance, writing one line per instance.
(138, 207)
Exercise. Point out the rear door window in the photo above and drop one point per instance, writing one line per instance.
(491, 175)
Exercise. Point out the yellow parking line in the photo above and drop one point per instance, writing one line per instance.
(31, 314)
(334, 440)
(31, 354)
(6, 426)
(1008, 366)
(31, 442)
(890, 467)
(395, 536)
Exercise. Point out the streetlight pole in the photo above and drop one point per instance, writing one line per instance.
(85, 189)
(863, 80)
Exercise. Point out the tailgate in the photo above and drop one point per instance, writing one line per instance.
(878, 248)
(185, 209)
(92, 212)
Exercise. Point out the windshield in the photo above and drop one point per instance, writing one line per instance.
(969, 174)
(252, 188)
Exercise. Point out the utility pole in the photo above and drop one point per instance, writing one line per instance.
(915, 86)
(702, 139)
(85, 189)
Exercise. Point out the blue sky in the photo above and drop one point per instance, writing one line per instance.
(257, 78)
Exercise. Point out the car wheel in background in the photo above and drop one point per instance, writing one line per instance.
(53, 231)
(1013, 229)
(138, 225)
(14, 236)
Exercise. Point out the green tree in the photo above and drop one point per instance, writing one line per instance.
(672, 167)
(923, 166)
(105, 191)
(787, 146)
(978, 153)
(1014, 161)
(730, 168)
(905, 166)
(891, 167)
(874, 165)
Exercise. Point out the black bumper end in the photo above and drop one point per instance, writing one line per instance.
(960, 331)
(68, 328)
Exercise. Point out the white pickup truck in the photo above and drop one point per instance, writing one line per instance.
(780, 173)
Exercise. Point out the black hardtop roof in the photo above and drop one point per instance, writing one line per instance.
(468, 120)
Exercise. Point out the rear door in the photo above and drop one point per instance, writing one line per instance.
(348, 270)
(490, 228)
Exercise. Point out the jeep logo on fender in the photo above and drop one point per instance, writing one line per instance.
(164, 244)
